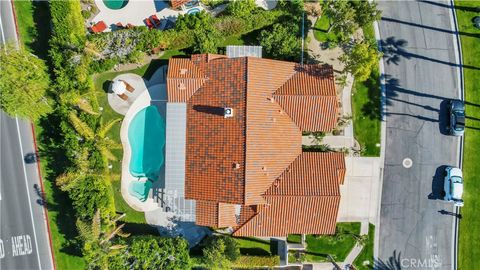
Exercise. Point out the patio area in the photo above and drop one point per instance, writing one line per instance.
(136, 11)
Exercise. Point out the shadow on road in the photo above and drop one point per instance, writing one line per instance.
(464, 8)
(437, 184)
(449, 213)
(393, 262)
(394, 49)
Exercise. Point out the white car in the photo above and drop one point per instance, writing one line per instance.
(453, 185)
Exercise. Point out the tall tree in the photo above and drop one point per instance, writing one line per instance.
(366, 12)
(361, 59)
(24, 83)
(282, 42)
(342, 17)
(241, 8)
(146, 253)
(97, 135)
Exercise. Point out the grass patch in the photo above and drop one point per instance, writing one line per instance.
(33, 18)
(320, 30)
(61, 216)
(367, 252)
(250, 246)
(338, 245)
(101, 83)
(294, 238)
(366, 108)
(469, 232)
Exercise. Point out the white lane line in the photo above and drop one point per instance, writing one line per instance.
(1, 30)
(28, 193)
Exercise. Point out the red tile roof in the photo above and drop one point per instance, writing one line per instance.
(304, 199)
(177, 3)
(235, 160)
(217, 215)
(283, 215)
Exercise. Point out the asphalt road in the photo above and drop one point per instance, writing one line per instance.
(24, 241)
(421, 74)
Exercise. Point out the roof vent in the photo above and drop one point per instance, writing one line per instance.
(183, 71)
(228, 112)
(182, 86)
(264, 168)
(236, 166)
(271, 99)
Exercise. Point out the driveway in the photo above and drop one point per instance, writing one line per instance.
(360, 192)
(420, 76)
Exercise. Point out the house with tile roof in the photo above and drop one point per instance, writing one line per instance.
(241, 163)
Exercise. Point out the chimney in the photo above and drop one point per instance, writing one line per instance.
(227, 112)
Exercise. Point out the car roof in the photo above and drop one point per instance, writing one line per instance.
(457, 190)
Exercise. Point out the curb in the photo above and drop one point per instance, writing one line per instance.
(458, 54)
(45, 210)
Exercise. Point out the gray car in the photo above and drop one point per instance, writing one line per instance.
(456, 111)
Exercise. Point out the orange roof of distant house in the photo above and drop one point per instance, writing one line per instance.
(177, 3)
(236, 160)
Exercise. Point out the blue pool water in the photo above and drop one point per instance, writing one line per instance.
(146, 135)
(193, 11)
(115, 4)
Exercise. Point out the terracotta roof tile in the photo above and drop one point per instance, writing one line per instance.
(183, 79)
(206, 213)
(273, 140)
(214, 144)
(177, 3)
(311, 174)
(216, 215)
(283, 215)
(310, 113)
(311, 80)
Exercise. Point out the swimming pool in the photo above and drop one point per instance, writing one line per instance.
(193, 11)
(115, 4)
(146, 134)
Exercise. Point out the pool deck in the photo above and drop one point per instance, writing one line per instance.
(135, 12)
(119, 105)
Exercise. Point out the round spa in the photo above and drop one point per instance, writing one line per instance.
(146, 135)
(115, 4)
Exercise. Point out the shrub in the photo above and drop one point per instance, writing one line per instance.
(86, 14)
(241, 8)
(281, 42)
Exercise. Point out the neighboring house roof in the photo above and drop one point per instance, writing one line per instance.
(236, 160)
(178, 3)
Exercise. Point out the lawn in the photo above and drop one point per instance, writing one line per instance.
(320, 30)
(101, 82)
(366, 255)
(469, 233)
(253, 246)
(61, 216)
(33, 19)
(338, 246)
(366, 109)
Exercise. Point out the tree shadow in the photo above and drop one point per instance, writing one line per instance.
(394, 49)
(437, 184)
(464, 8)
(41, 31)
(392, 263)
(53, 154)
(139, 229)
(372, 108)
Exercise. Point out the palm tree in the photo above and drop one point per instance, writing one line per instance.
(97, 244)
(97, 135)
(78, 101)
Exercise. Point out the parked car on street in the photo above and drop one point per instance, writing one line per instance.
(456, 112)
(453, 185)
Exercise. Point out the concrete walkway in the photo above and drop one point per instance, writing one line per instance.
(346, 140)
